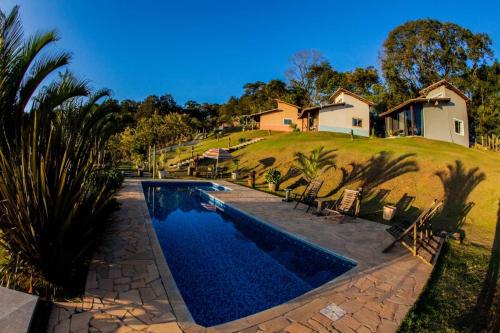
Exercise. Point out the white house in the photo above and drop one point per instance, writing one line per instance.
(346, 113)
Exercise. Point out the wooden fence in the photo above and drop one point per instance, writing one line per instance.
(489, 142)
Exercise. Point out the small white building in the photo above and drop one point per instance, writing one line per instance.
(346, 113)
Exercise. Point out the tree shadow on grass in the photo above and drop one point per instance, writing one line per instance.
(299, 182)
(487, 302)
(293, 173)
(377, 170)
(372, 204)
(267, 162)
(458, 183)
(290, 173)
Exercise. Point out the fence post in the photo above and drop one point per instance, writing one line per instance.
(415, 239)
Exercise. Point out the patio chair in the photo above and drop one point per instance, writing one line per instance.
(309, 195)
(210, 172)
(418, 237)
(221, 171)
(399, 228)
(348, 204)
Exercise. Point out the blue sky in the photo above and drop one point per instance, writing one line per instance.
(207, 50)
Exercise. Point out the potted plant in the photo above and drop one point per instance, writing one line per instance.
(235, 173)
(272, 177)
(251, 179)
(389, 212)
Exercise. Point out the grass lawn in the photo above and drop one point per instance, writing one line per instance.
(399, 168)
(455, 296)
(224, 140)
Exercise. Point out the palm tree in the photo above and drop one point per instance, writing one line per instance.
(23, 68)
(52, 188)
(319, 160)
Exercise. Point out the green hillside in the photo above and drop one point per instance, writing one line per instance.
(392, 168)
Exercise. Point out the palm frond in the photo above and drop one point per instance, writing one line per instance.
(318, 161)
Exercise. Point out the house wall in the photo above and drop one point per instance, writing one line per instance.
(339, 118)
(274, 121)
(439, 120)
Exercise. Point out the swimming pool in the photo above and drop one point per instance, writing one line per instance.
(227, 264)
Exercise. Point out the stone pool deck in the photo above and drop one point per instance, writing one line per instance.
(129, 287)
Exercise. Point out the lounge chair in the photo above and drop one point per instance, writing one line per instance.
(309, 195)
(419, 236)
(348, 204)
(401, 228)
(221, 171)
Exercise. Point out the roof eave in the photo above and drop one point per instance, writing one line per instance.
(265, 112)
(414, 100)
(350, 93)
(446, 83)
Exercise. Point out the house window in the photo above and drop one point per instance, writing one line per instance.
(357, 122)
(459, 126)
(287, 121)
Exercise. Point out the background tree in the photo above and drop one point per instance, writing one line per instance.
(326, 80)
(421, 52)
(298, 73)
(167, 104)
(485, 105)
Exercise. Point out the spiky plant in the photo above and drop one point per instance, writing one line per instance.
(319, 160)
(51, 190)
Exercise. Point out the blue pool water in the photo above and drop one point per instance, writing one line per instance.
(226, 264)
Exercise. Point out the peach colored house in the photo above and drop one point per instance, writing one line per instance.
(439, 113)
(279, 119)
(346, 113)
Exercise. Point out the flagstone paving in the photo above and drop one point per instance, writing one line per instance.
(129, 288)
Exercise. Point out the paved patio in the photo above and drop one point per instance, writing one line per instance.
(129, 287)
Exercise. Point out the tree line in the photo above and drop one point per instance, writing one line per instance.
(413, 56)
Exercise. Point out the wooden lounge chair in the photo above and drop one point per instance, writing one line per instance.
(398, 229)
(419, 235)
(309, 195)
(348, 204)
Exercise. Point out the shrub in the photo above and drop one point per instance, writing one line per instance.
(294, 127)
(236, 163)
(272, 176)
(106, 181)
